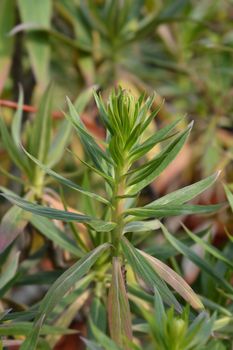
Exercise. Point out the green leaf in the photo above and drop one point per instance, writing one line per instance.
(146, 272)
(102, 112)
(97, 171)
(159, 136)
(24, 328)
(41, 130)
(208, 247)
(142, 226)
(7, 18)
(118, 307)
(174, 280)
(59, 289)
(200, 330)
(159, 312)
(12, 224)
(96, 154)
(84, 98)
(17, 121)
(185, 194)
(59, 143)
(12, 150)
(9, 269)
(62, 215)
(91, 345)
(65, 317)
(37, 13)
(145, 174)
(203, 264)
(64, 132)
(103, 340)
(65, 181)
(172, 210)
(52, 232)
(229, 196)
(98, 314)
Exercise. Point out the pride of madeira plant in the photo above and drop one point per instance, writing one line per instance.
(110, 247)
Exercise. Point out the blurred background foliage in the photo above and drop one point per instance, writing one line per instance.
(182, 49)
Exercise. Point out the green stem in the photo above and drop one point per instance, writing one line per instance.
(117, 209)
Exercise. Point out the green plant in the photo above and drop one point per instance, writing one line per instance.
(111, 226)
(167, 330)
(170, 331)
(43, 143)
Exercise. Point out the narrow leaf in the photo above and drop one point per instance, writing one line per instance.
(58, 290)
(103, 339)
(208, 247)
(17, 121)
(185, 194)
(147, 145)
(9, 269)
(63, 215)
(37, 13)
(12, 224)
(229, 196)
(144, 175)
(24, 328)
(172, 210)
(13, 152)
(96, 154)
(118, 307)
(59, 143)
(174, 280)
(41, 130)
(64, 132)
(146, 272)
(65, 181)
(203, 264)
(7, 19)
(52, 232)
(142, 226)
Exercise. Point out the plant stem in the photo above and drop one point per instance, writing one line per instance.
(117, 208)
